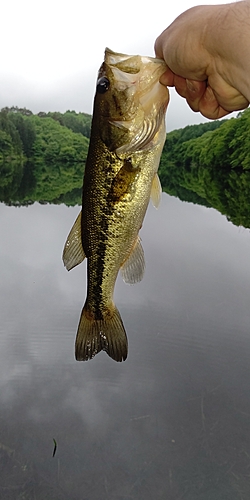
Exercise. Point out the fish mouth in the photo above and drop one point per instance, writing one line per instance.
(140, 71)
(131, 62)
(139, 77)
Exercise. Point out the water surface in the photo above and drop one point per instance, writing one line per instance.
(172, 421)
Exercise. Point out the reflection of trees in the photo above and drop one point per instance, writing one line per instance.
(213, 169)
(42, 157)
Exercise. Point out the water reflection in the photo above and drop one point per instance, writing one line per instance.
(171, 422)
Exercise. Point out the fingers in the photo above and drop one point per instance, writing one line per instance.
(168, 78)
(191, 90)
(201, 97)
(197, 95)
(209, 106)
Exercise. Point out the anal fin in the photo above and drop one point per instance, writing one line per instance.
(73, 253)
(132, 270)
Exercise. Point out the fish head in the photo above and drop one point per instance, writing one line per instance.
(130, 103)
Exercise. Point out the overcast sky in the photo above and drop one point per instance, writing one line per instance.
(51, 50)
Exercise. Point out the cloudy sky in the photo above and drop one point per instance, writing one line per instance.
(51, 50)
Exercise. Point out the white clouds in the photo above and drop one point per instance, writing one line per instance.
(52, 50)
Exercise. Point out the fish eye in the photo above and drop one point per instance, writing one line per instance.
(102, 85)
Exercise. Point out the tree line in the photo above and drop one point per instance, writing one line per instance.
(42, 158)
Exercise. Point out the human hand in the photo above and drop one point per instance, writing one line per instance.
(203, 65)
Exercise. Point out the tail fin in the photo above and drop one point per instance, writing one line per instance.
(106, 335)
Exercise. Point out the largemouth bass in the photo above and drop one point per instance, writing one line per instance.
(127, 137)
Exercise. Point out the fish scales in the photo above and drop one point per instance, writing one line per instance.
(127, 137)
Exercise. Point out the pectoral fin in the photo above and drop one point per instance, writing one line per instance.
(73, 253)
(156, 191)
(133, 268)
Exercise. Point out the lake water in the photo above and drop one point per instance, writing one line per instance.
(171, 422)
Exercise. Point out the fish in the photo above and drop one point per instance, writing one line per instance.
(127, 137)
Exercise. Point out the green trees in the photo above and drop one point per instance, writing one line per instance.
(77, 122)
(11, 155)
(41, 158)
(58, 159)
(209, 164)
(25, 129)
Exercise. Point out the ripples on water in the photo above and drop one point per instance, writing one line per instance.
(170, 422)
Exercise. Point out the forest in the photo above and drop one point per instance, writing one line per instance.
(42, 158)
